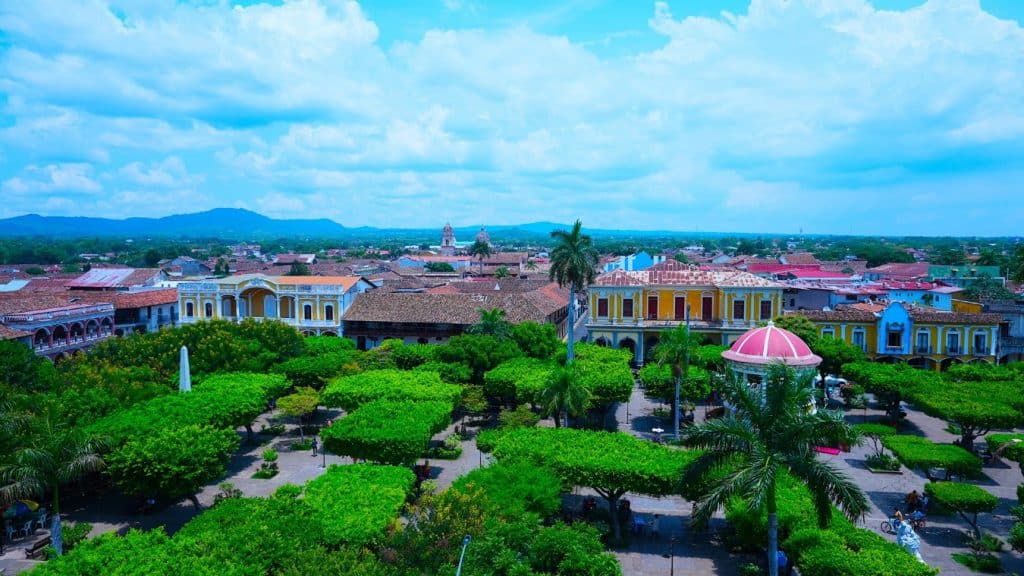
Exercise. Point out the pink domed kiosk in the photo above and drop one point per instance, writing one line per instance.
(752, 354)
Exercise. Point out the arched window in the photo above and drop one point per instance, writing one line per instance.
(209, 309)
(190, 309)
(329, 312)
(307, 312)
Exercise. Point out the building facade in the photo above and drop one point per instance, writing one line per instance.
(631, 309)
(922, 337)
(58, 329)
(312, 304)
(634, 262)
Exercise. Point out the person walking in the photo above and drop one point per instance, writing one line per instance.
(315, 446)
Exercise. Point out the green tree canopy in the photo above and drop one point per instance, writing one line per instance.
(612, 463)
(976, 408)
(388, 432)
(922, 454)
(174, 463)
(967, 500)
(351, 392)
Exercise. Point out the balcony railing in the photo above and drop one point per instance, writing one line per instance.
(927, 349)
(952, 350)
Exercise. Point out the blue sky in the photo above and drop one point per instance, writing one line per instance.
(832, 116)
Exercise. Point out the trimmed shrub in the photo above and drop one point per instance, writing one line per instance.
(922, 454)
(512, 488)
(387, 432)
(351, 392)
(355, 504)
(518, 380)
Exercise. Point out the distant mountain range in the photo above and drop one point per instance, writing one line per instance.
(241, 224)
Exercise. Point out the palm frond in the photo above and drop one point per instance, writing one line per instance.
(829, 485)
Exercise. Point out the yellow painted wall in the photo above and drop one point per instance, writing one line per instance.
(967, 307)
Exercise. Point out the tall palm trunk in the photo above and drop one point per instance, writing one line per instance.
(56, 532)
(572, 325)
(773, 533)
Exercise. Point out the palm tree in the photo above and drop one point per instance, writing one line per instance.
(55, 454)
(674, 349)
(572, 264)
(765, 434)
(481, 250)
(564, 394)
(492, 322)
(501, 272)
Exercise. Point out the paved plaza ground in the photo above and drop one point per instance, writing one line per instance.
(693, 552)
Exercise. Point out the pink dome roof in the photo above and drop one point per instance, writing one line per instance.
(771, 344)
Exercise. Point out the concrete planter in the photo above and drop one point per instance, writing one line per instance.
(890, 472)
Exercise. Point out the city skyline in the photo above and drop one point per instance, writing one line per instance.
(847, 117)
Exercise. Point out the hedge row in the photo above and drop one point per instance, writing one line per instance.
(922, 454)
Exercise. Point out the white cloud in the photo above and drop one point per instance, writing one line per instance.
(792, 104)
(63, 178)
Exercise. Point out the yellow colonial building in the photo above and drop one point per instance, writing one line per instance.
(313, 304)
(922, 337)
(630, 309)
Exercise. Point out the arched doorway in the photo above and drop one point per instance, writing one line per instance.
(41, 338)
(628, 344)
(228, 307)
(60, 335)
(286, 306)
(77, 332)
(922, 363)
(106, 327)
(979, 361)
(258, 303)
(92, 329)
(947, 362)
(603, 342)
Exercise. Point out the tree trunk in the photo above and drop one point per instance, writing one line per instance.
(56, 530)
(675, 409)
(570, 355)
(195, 502)
(249, 436)
(614, 513)
(773, 534)
(558, 419)
(967, 437)
(302, 432)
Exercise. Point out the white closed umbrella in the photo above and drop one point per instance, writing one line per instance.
(185, 376)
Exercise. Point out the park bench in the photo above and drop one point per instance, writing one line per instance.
(37, 548)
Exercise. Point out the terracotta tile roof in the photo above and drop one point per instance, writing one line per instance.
(901, 271)
(11, 334)
(932, 316)
(145, 298)
(463, 309)
(673, 273)
(858, 266)
(22, 304)
(800, 258)
(847, 314)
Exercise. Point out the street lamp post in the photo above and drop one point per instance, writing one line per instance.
(465, 543)
(685, 372)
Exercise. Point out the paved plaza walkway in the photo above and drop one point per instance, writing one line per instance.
(693, 552)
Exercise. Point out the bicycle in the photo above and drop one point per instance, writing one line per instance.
(889, 526)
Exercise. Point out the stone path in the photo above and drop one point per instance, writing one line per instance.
(692, 552)
(943, 535)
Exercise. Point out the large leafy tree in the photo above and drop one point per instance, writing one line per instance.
(976, 408)
(834, 354)
(573, 260)
(612, 463)
(764, 435)
(799, 325)
(298, 405)
(55, 454)
(174, 463)
(564, 394)
(480, 250)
